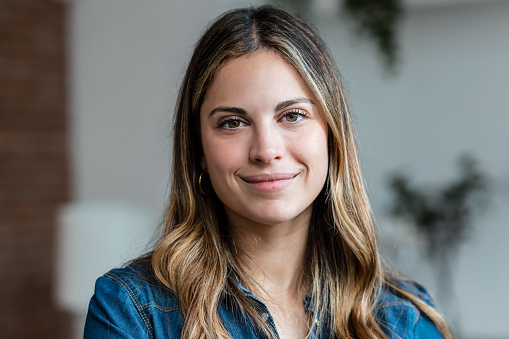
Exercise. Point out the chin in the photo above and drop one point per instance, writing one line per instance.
(277, 216)
(273, 220)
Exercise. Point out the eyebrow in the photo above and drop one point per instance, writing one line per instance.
(280, 106)
(236, 110)
(288, 103)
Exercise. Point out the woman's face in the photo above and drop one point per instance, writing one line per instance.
(264, 140)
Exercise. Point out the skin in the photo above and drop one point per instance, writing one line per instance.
(265, 149)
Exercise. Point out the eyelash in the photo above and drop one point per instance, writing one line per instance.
(299, 113)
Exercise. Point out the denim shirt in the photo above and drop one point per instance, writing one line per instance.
(128, 305)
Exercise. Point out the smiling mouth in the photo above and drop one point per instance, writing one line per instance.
(253, 179)
(270, 182)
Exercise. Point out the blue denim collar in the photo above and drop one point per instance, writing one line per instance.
(308, 301)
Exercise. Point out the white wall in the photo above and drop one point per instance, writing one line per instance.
(128, 58)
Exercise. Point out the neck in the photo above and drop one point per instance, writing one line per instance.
(273, 255)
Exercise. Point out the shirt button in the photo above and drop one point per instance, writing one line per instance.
(265, 316)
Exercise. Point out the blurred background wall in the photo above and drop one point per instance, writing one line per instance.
(125, 61)
(448, 99)
(34, 164)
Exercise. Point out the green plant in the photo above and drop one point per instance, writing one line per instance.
(443, 215)
(377, 20)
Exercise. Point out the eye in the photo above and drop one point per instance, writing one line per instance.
(230, 123)
(294, 116)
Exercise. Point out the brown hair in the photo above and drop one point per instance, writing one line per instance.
(196, 259)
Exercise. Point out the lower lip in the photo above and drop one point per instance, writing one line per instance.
(271, 186)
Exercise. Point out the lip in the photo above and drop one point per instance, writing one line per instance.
(270, 182)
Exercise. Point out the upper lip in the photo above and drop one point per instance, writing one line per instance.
(268, 177)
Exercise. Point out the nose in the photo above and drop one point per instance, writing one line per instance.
(266, 145)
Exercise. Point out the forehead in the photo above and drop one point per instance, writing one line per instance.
(260, 76)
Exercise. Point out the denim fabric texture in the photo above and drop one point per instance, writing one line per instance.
(126, 304)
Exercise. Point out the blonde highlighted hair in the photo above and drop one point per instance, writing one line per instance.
(197, 260)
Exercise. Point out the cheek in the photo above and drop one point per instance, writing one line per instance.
(313, 148)
(315, 155)
(222, 157)
(321, 158)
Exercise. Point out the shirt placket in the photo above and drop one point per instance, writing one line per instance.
(269, 320)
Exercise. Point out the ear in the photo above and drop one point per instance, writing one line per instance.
(203, 163)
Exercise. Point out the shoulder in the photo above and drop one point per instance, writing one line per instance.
(138, 283)
(400, 318)
(128, 303)
(389, 296)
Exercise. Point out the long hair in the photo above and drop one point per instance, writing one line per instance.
(198, 261)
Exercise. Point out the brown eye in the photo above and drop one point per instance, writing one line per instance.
(230, 123)
(292, 117)
(233, 124)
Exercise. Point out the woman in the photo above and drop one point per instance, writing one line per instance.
(269, 231)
